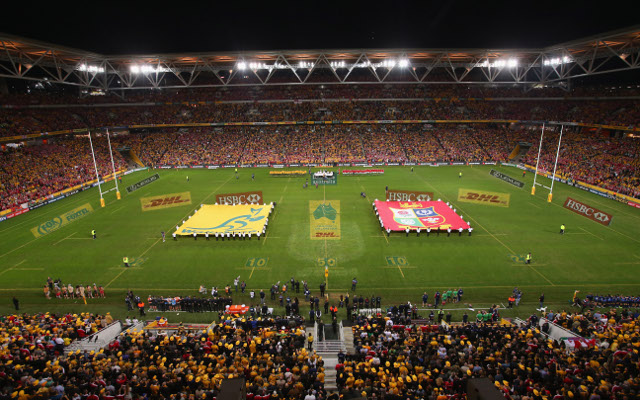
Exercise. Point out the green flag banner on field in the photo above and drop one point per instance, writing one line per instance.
(324, 218)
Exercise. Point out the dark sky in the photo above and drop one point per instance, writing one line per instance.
(182, 27)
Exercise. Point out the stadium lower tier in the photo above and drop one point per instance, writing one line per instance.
(30, 173)
(391, 357)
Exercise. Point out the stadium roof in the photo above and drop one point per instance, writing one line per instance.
(609, 52)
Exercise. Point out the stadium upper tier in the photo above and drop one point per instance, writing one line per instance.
(24, 115)
(316, 92)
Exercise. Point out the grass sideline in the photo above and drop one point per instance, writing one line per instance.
(590, 257)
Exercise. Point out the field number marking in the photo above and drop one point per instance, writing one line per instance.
(396, 261)
(327, 262)
(256, 262)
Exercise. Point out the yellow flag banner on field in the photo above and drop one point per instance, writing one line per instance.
(61, 220)
(324, 218)
(484, 197)
(224, 218)
(165, 201)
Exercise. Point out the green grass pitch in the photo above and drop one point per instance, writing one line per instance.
(590, 257)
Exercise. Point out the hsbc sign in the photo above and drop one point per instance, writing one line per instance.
(240, 198)
(407, 195)
(593, 214)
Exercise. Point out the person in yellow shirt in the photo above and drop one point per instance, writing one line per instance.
(310, 342)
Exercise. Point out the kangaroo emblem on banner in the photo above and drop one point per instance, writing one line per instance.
(239, 222)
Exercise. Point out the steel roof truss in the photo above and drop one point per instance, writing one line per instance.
(315, 64)
(434, 63)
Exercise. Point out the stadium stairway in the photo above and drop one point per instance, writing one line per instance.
(347, 334)
(330, 373)
(329, 350)
(519, 151)
(99, 339)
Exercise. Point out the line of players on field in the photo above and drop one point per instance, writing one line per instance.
(609, 300)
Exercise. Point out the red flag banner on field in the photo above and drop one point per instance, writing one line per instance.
(400, 215)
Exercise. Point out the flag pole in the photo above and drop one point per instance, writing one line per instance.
(535, 174)
(113, 167)
(553, 177)
(102, 204)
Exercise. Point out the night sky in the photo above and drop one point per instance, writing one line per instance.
(183, 27)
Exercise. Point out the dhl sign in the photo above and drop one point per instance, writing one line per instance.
(165, 201)
(408, 195)
(483, 197)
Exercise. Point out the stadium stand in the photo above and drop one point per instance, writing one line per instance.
(269, 353)
(410, 361)
(606, 162)
(391, 356)
(590, 155)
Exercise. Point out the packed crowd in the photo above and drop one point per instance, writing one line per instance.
(268, 352)
(395, 355)
(22, 121)
(592, 158)
(41, 337)
(34, 172)
(303, 92)
(410, 361)
(320, 144)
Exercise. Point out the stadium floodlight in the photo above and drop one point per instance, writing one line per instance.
(257, 65)
(509, 63)
(94, 69)
(242, 65)
(365, 64)
(147, 69)
(403, 63)
(390, 63)
(337, 64)
(304, 64)
(557, 61)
